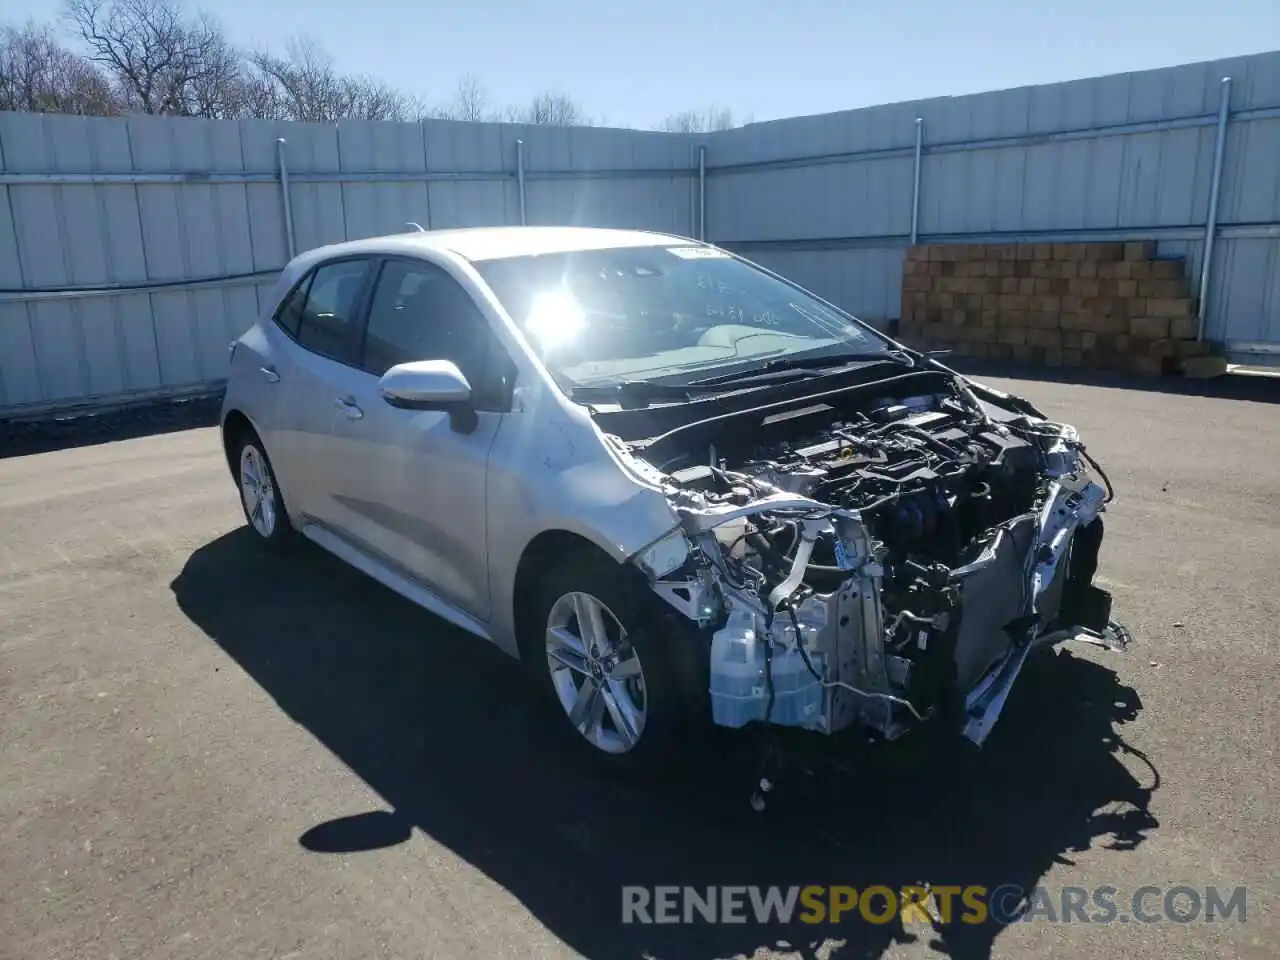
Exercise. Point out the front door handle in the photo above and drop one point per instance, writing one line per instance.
(270, 373)
(348, 408)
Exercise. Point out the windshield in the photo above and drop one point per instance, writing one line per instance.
(664, 313)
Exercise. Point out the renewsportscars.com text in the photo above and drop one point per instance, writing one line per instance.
(934, 904)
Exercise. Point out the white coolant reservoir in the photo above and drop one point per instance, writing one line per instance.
(739, 689)
(733, 536)
(738, 693)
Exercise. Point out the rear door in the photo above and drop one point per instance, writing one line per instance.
(266, 392)
(322, 347)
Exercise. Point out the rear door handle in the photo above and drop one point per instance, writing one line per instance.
(348, 408)
(270, 373)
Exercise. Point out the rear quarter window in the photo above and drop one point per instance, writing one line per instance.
(289, 314)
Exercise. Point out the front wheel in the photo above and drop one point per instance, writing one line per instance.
(599, 653)
(596, 672)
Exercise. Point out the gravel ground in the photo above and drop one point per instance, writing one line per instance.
(208, 753)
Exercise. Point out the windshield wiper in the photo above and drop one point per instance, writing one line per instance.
(797, 368)
(641, 392)
(631, 391)
(779, 370)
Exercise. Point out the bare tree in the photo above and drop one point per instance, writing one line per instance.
(156, 54)
(470, 101)
(153, 56)
(224, 87)
(39, 75)
(256, 95)
(371, 99)
(551, 109)
(699, 121)
(437, 111)
(305, 85)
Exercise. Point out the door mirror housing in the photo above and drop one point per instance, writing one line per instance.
(430, 385)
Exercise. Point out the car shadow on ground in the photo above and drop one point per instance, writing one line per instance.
(441, 727)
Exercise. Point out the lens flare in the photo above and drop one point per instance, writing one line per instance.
(554, 318)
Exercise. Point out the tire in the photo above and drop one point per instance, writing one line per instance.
(634, 723)
(266, 516)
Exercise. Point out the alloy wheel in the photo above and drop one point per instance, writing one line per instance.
(257, 490)
(596, 672)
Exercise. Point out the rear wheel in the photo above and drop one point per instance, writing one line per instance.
(260, 494)
(599, 652)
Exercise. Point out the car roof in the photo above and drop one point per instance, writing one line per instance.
(478, 244)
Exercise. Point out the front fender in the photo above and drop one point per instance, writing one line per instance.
(561, 474)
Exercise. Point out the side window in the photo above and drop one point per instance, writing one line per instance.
(289, 314)
(419, 312)
(329, 318)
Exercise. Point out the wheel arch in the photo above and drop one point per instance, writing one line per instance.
(678, 648)
(235, 426)
(547, 548)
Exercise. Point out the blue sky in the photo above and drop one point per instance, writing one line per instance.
(632, 62)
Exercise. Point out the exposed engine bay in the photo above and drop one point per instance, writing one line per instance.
(880, 555)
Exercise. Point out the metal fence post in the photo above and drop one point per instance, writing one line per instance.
(520, 180)
(1211, 223)
(702, 193)
(915, 184)
(285, 199)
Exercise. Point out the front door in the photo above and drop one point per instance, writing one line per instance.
(411, 487)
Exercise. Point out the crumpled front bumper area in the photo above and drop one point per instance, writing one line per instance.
(851, 653)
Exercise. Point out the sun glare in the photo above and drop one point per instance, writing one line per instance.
(554, 318)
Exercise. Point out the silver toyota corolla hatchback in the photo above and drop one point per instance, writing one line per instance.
(678, 487)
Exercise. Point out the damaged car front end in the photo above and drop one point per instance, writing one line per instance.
(880, 555)
(859, 536)
(675, 485)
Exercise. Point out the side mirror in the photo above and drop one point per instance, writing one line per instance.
(431, 385)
